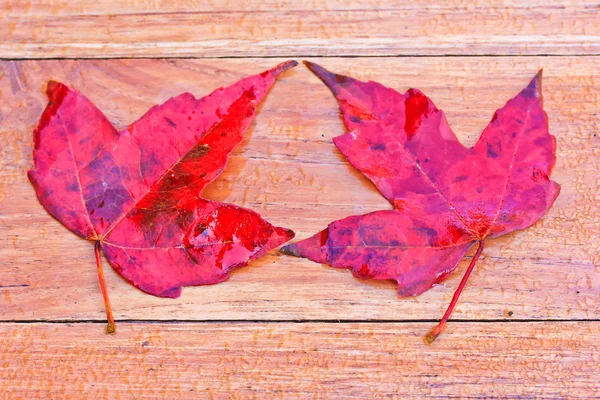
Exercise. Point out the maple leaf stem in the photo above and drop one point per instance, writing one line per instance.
(435, 332)
(110, 327)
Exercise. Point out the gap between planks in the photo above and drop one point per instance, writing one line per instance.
(299, 56)
(293, 321)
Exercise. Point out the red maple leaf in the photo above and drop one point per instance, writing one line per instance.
(446, 197)
(136, 193)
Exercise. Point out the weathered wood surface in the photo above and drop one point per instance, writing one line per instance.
(289, 171)
(225, 28)
(282, 361)
(528, 322)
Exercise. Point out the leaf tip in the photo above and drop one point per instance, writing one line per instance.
(53, 88)
(56, 93)
(333, 81)
(319, 71)
(538, 77)
(284, 66)
(171, 293)
(290, 250)
(534, 89)
(310, 65)
(287, 233)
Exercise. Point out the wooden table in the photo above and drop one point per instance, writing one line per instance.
(528, 322)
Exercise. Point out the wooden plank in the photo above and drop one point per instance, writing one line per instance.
(240, 360)
(224, 28)
(289, 171)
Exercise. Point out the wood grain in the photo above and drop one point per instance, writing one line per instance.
(251, 28)
(289, 171)
(502, 342)
(277, 361)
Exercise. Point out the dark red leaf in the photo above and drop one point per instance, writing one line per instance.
(446, 197)
(136, 193)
